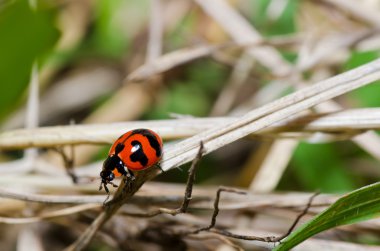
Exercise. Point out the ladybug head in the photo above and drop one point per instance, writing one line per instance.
(107, 176)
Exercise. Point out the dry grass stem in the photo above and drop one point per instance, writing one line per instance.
(52, 199)
(273, 166)
(242, 32)
(337, 122)
(238, 77)
(273, 112)
(155, 31)
(364, 13)
(49, 215)
(182, 56)
(226, 233)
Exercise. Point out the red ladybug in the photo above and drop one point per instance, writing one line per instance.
(135, 150)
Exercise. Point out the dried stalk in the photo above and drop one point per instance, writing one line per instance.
(154, 49)
(48, 215)
(273, 112)
(337, 122)
(226, 233)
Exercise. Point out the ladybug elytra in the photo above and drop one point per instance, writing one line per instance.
(135, 150)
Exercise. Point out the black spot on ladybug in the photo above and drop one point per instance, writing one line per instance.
(138, 155)
(152, 140)
(154, 143)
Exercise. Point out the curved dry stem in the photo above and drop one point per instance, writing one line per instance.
(49, 215)
(342, 122)
(271, 113)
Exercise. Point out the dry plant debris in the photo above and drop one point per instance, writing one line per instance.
(53, 186)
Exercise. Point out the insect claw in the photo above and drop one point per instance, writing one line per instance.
(105, 201)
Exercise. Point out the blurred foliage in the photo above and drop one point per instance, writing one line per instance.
(284, 24)
(26, 34)
(193, 93)
(107, 37)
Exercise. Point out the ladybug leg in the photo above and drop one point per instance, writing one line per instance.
(101, 186)
(130, 174)
(104, 184)
(113, 184)
(106, 189)
(121, 168)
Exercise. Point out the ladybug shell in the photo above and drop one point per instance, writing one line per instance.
(141, 148)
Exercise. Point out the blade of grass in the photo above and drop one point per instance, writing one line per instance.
(359, 205)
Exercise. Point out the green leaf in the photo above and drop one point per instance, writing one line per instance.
(359, 205)
(25, 35)
(108, 36)
(284, 24)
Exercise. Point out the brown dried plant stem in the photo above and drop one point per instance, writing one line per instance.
(341, 122)
(48, 215)
(211, 227)
(68, 162)
(273, 112)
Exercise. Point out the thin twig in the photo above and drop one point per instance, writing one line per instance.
(68, 162)
(52, 199)
(216, 210)
(211, 227)
(191, 179)
(303, 213)
(230, 92)
(186, 55)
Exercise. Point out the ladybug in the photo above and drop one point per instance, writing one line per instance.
(135, 150)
